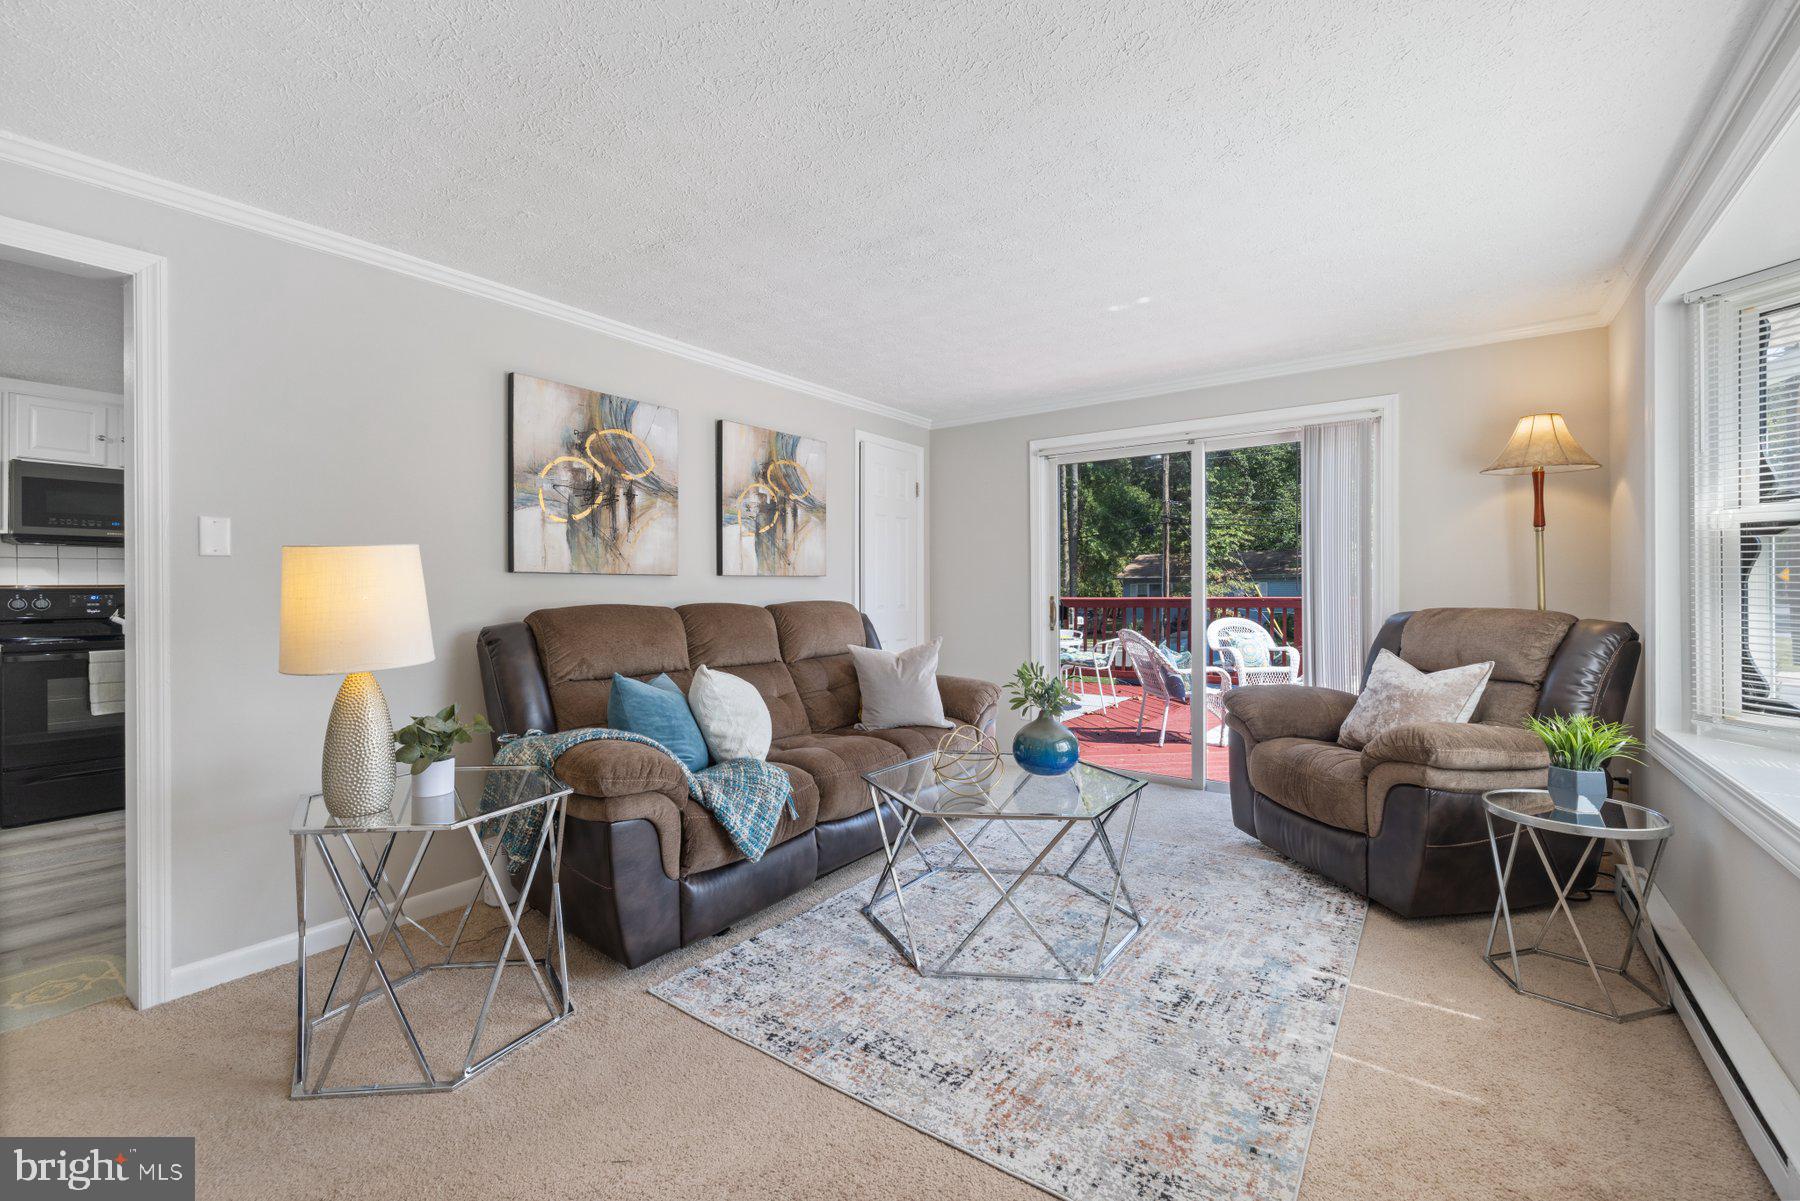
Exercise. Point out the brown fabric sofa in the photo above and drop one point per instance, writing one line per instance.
(1401, 820)
(645, 868)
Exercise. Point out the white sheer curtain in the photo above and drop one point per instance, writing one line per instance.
(1337, 522)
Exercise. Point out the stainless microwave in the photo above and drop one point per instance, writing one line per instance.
(61, 502)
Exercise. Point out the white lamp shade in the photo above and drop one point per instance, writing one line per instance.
(1541, 442)
(352, 608)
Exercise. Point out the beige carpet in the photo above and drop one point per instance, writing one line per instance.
(1444, 1084)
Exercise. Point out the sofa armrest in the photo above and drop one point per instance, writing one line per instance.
(1458, 746)
(1265, 711)
(615, 768)
(974, 702)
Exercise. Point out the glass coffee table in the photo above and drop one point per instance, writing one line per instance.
(985, 790)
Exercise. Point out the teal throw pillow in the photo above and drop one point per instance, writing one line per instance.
(657, 710)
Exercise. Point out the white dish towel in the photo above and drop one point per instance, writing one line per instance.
(106, 682)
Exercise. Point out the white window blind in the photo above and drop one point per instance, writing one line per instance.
(1745, 434)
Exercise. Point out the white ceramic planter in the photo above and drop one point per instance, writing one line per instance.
(436, 780)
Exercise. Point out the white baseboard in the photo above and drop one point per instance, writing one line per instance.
(1763, 1101)
(257, 957)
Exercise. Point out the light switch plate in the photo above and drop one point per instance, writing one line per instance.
(215, 535)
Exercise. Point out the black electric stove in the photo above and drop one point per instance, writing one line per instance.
(62, 703)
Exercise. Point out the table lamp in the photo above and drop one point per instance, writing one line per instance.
(350, 611)
(1539, 444)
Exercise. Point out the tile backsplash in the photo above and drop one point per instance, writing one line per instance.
(39, 565)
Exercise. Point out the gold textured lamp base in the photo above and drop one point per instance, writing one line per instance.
(359, 750)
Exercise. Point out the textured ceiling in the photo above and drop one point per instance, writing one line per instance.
(952, 208)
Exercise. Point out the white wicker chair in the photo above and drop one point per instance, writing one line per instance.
(1250, 655)
(1156, 673)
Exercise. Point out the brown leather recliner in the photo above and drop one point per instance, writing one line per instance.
(645, 868)
(1401, 820)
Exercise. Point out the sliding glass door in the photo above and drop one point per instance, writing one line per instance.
(1151, 635)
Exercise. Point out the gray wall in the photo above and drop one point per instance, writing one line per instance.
(61, 329)
(1465, 538)
(313, 399)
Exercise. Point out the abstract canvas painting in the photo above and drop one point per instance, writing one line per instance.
(594, 481)
(771, 502)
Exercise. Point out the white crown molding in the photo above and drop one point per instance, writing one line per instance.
(69, 164)
(1715, 126)
(1244, 375)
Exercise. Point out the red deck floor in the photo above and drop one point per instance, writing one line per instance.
(1110, 738)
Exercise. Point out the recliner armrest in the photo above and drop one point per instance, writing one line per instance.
(1458, 746)
(974, 702)
(1265, 711)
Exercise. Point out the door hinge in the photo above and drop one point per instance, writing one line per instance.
(915, 487)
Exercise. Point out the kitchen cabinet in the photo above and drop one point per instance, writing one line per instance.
(58, 429)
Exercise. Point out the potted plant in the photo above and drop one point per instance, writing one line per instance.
(429, 745)
(1045, 747)
(1579, 748)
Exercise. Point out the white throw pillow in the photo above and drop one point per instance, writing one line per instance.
(899, 688)
(1399, 694)
(732, 715)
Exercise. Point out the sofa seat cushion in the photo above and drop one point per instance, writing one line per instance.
(836, 762)
(1322, 780)
(705, 844)
(913, 741)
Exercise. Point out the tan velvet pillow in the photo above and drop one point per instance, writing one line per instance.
(1399, 694)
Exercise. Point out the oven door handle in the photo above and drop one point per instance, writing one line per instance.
(38, 775)
(43, 656)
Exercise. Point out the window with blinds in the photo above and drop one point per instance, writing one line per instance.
(1745, 436)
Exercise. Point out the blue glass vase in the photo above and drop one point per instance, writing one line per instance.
(1046, 747)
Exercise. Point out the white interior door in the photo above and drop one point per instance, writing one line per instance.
(890, 571)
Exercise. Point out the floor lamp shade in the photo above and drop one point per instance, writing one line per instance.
(1539, 444)
(351, 611)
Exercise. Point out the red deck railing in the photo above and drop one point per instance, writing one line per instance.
(1168, 619)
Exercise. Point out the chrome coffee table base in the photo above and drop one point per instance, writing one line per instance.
(1085, 969)
(372, 932)
(1513, 952)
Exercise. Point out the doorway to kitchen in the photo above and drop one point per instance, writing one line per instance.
(84, 700)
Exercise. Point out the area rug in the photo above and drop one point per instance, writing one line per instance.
(1193, 1069)
(54, 989)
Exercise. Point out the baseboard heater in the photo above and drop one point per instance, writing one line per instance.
(1762, 1099)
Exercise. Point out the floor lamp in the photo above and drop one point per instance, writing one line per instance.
(1539, 444)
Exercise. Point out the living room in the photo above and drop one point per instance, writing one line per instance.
(703, 396)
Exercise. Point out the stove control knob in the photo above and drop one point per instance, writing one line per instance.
(40, 602)
(16, 604)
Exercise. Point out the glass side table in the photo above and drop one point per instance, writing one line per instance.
(989, 788)
(509, 792)
(1599, 821)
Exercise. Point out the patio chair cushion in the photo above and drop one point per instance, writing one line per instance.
(1321, 780)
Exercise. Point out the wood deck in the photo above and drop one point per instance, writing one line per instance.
(1110, 738)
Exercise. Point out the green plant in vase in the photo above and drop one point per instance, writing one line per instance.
(1580, 747)
(429, 745)
(1044, 747)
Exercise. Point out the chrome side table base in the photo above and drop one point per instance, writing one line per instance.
(1513, 952)
(1085, 969)
(377, 919)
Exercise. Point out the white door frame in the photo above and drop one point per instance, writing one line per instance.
(914, 448)
(148, 758)
(1241, 429)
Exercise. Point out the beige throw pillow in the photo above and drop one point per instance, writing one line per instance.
(899, 688)
(1399, 694)
(732, 715)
